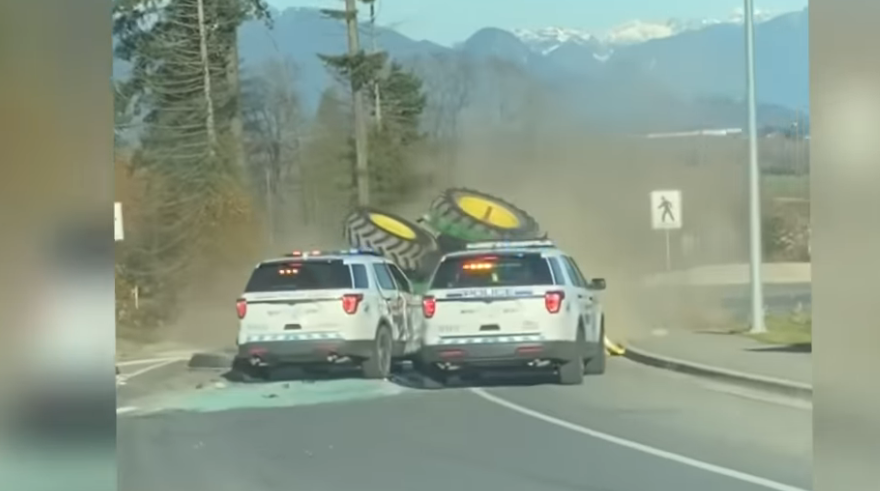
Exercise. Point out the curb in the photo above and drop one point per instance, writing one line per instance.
(797, 390)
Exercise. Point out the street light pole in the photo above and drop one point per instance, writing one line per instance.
(755, 252)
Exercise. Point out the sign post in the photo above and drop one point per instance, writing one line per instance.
(666, 216)
(118, 230)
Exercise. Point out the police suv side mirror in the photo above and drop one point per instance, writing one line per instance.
(597, 284)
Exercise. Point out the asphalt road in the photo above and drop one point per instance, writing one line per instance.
(634, 429)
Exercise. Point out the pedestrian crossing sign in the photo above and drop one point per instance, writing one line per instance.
(666, 209)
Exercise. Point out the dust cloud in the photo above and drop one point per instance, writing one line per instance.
(589, 191)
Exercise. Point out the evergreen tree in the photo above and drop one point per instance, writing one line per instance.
(395, 137)
(396, 142)
(180, 87)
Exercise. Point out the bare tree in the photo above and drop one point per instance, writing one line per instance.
(514, 91)
(273, 128)
(448, 80)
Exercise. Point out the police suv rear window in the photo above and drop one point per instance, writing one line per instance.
(300, 275)
(359, 273)
(492, 270)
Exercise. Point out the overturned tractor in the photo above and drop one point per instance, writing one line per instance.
(455, 218)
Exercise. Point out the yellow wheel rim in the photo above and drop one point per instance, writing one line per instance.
(393, 226)
(488, 211)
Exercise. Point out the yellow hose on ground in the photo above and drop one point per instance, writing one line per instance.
(613, 348)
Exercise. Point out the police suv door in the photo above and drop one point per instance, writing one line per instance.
(584, 297)
(581, 295)
(412, 306)
(393, 301)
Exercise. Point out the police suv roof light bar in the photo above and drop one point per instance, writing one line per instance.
(512, 244)
(365, 252)
(343, 252)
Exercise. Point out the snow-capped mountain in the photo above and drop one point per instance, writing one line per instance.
(638, 31)
(547, 39)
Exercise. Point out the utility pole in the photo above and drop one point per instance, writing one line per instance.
(755, 242)
(377, 98)
(206, 68)
(362, 175)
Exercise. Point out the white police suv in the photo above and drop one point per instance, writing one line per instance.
(320, 308)
(512, 304)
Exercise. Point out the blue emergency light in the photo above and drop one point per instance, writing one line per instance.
(342, 252)
(509, 244)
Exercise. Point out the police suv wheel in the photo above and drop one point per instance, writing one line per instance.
(431, 372)
(378, 365)
(595, 365)
(243, 371)
(571, 372)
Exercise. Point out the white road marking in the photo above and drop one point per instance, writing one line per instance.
(123, 378)
(639, 447)
(166, 362)
(146, 361)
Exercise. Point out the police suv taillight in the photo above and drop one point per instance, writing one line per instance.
(351, 302)
(429, 306)
(553, 301)
(241, 308)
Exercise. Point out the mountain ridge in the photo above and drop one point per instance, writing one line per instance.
(687, 73)
(635, 30)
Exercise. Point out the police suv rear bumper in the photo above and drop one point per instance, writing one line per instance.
(317, 351)
(498, 354)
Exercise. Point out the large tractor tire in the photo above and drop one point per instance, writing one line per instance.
(470, 216)
(394, 237)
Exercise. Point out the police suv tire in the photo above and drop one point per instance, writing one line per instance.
(571, 372)
(361, 232)
(398, 366)
(446, 209)
(243, 371)
(595, 365)
(431, 372)
(378, 365)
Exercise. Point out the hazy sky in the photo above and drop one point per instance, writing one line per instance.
(450, 21)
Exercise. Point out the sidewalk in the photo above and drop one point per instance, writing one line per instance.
(729, 352)
(733, 357)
